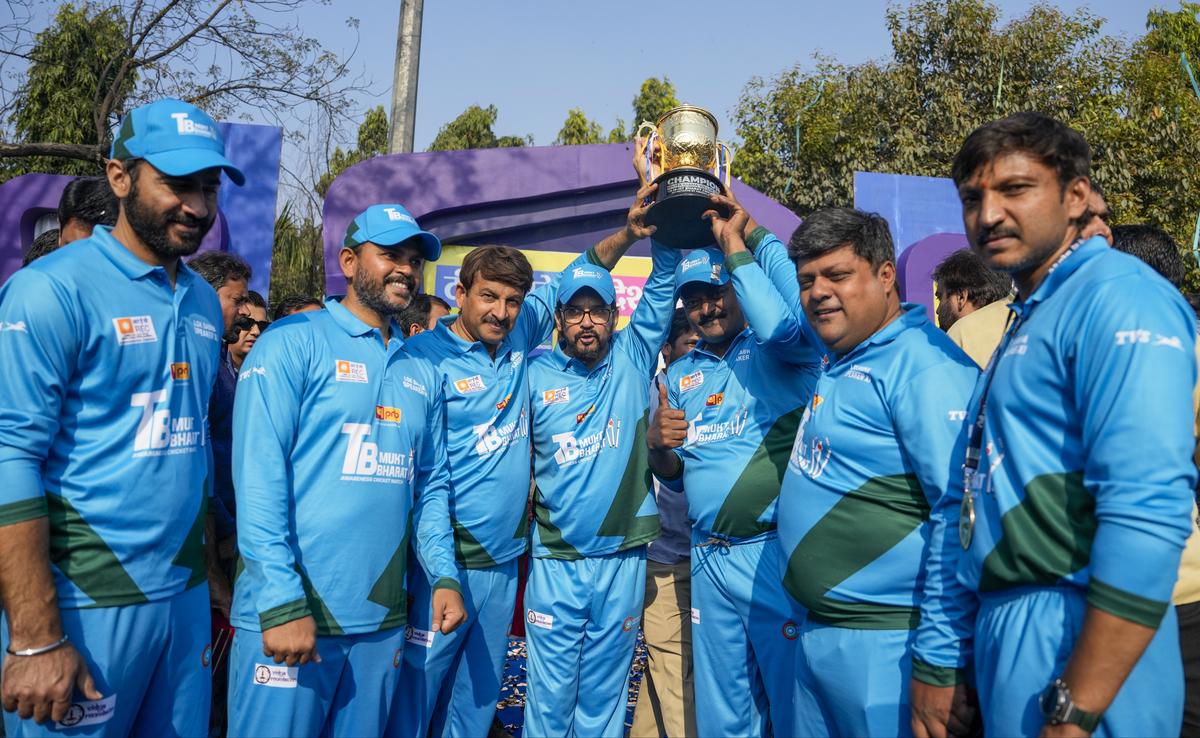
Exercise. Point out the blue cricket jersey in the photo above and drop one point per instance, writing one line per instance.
(872, 457)
(594, 491)
(743, 408)
(104, 388)
(1086, 477)
(338, 440)
(487, 428)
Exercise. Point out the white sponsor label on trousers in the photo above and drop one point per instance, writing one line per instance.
(276, 675)
(93, 712)
(695, 614)
(540, 620)
(418, 637)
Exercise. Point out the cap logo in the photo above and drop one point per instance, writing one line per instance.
(698, 261)
(394, 214)
(185, 126)
(580, 272)
(716, 273)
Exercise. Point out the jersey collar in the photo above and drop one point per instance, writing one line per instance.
(575, 366)
(702, 347)
(133, 267)
(1069, 263)
(460, 344)
(350, 323)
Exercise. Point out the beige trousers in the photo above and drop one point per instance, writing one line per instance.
(665, 705)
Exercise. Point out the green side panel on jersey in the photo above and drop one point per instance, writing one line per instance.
(550, 534)
(636, 484)
(1046, 537)
(83, 557)
(326, 623)
(389, 589)
(759, 483)
(469, 552)
(239, 567)
(191, 553)
(522, 527)
(861, 527)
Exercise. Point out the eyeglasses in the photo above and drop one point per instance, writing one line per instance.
(245, 323)
(573, 315)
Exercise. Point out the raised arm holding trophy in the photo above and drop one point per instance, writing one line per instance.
(681, 154)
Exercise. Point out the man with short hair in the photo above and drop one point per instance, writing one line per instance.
(339, 443)
(725, 425)
(871, 457)
(229, 275)
(85, 203)
(666, 702)
(451, 682)
(293, 304)
(1071, 531)
(964, 284)
(422, 314)
(103, 452)
(593, 506)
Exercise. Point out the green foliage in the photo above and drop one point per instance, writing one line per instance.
(297, 257)
(617, 133)
(473, 130)
(73, 58)
(577, 129)
(372, 141)
(953, 68)
(656, 97)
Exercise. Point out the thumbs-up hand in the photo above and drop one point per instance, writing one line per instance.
(668, 428)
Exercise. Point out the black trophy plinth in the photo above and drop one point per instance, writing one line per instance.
(683, 195)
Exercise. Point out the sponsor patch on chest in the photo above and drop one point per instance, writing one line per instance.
(691, 381)
(469, 385)
(556, 396)
(135, 329)
(181, 371)
(350, 371)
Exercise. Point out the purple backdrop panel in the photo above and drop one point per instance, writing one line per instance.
(916, 264)
(555, 198)
(914, 207)
(245, 223)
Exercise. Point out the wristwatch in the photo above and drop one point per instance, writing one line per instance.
(1058, 708)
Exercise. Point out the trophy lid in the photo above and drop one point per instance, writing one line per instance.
(685, 108)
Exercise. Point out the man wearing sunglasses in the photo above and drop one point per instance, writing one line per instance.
(593, 504)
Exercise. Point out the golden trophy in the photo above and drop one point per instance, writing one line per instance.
(683, 157)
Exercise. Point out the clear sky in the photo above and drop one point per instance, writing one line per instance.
(535, 59)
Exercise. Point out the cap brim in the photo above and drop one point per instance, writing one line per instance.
(182, 162)
(702, 280)
(431, 245)
(564, 296)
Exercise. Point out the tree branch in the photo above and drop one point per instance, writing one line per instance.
(66, 151)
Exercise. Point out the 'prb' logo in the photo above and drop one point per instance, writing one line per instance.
(715, 399)
(135, 329)
(181, 371)
(469, 385)
(386, 414)
(350, 371)
(556, 396)
(691, 381)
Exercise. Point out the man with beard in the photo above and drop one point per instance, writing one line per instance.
(593, 505)
(870, 458)
(1077, 481)
(726, 421)
(339, 454)
(109, 353)
(451, 682)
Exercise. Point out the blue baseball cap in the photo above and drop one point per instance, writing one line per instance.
(390, 225)
(705, 266)
(177, 139)
(587, 276)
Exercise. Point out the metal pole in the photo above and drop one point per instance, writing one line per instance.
(404, 84)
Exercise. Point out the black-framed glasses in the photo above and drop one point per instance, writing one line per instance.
(245, 323)
(573, 315)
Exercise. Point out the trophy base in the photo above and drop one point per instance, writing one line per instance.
(683, 195)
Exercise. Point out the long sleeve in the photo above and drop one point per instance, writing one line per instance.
(39, 338)
(771, 255)
(431, 519)
(1134, 372)
(651, 320)
(929, 415)
(266, 415)
(775, 326)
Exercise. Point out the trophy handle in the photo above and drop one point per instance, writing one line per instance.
(724, 162)
(646, 153)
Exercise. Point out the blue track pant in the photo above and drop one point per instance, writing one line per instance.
(450, 683)
(349, 693)
(851, 681)
(150, 662)
(744, 631)
(581, 622)
(1023, 639)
